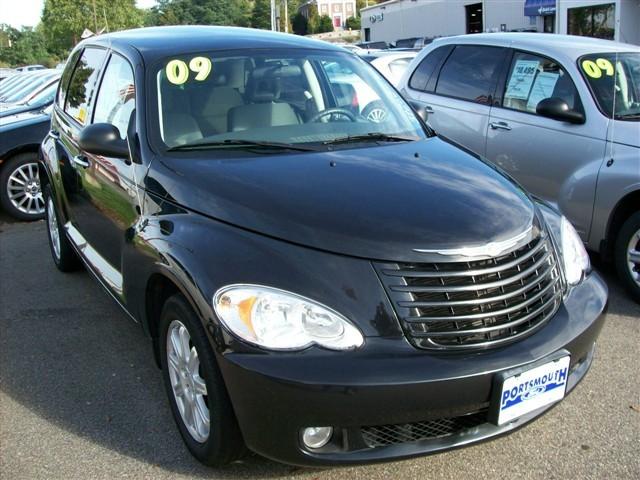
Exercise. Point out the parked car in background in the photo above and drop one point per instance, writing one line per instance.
(36, 101)
(414, 42)
(30, 68)
(318, 287)
(20, 189)
(392, 63)
(6, 73)
(374, 45)
(11, 85)
(39, 81)
(561, 114)
(351, 47)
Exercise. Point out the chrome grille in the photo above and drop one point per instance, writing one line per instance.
(476, 304)
(383, 435)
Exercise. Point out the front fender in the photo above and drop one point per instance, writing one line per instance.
(200, 255)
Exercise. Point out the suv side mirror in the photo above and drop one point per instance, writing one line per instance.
(103, 139)
(558, 109)
(420, 110)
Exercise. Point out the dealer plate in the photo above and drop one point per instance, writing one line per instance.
(532, 389)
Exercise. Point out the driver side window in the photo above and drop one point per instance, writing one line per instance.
(116, 98)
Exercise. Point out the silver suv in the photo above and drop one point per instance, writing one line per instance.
(560, 114)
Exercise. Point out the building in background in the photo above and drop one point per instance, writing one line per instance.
(338, 10)
(397, 19)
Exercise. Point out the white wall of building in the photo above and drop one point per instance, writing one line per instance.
(627, 21)
(393, 20)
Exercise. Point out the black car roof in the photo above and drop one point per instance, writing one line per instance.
(175, 40)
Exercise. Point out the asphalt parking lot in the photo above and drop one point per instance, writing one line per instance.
(81, 397)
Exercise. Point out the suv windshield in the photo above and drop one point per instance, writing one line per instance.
(614, 79)
(287, 97)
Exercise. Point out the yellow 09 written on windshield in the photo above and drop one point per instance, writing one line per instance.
(178, 72)
(595, 68)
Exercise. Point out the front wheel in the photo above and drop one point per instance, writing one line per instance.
(20, 192)
(197, 395)
(627, 255)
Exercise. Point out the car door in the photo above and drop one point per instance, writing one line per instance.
(103, 198)
(458, 101)
(555, 160)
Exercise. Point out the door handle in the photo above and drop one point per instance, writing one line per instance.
(81, 161)
(429, 109)
(54, 134)
(500, 126)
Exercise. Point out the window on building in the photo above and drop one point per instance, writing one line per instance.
(470, 73)
(532, 79)
(595, 21)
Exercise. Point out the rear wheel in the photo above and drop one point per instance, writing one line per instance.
(197, 395)
(627, 255)
(20, 192)
(62, 252)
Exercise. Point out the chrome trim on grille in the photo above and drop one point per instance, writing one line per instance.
(475, 304)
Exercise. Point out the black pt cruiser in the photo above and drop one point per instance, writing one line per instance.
(321, 285)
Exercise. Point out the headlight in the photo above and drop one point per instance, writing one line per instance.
(280, 320)
(574, 256)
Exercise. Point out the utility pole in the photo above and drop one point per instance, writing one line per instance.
(273, 15)
(286, 16)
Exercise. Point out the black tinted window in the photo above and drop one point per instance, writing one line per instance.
(470, 73)
(427, 67)
(64, 80)
(83, 84)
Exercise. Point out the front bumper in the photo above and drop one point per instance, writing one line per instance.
(389, 382)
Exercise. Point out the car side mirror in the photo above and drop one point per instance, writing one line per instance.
(420, 110)
(103, 139)
(558, 109)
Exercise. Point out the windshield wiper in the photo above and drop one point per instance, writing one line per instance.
(240, 143)
(371, 136)
(621, 116)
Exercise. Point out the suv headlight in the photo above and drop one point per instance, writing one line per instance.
(281, 320)
(574, 256)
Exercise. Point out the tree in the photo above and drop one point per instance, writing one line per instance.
(65, 20)
(201, 12)
(313, 20)
(299, 24)
(324, 24)
(23, 47)
(261, 16)
(353, 23)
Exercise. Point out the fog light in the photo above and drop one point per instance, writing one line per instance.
(316, 437)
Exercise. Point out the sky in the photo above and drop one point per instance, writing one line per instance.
(27, 12)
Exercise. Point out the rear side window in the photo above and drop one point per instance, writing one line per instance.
(64, 80)
(532, 79)
(116, 98)
(470, 73)
(82, 85)
(427, 67)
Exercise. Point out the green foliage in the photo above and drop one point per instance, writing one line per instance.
(23, 47)
(353, 23)
(261, 16)
(201, 12)
(324, 24)
(65, 20)
(299, 24)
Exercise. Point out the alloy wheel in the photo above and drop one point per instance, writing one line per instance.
(54, 233)
(189, 388)
(633, 257)
(24, 191)
(377, 115)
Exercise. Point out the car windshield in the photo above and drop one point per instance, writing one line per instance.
(614, 79)
(292, 97)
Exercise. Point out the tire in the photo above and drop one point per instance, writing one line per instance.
(375, 111)
(62, 252)
(20, 192)
(201, 386)
(628, 263)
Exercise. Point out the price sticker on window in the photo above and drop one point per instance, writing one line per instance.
(178, 72)
(596, 68)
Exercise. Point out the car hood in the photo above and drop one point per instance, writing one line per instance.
(22, 119)
(7, 109)
(378, 202)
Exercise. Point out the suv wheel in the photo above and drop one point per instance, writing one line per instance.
(197, 395)
(62, 252)
(20, 192)
(627, 255)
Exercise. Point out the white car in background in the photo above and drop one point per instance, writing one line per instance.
(392, 64)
